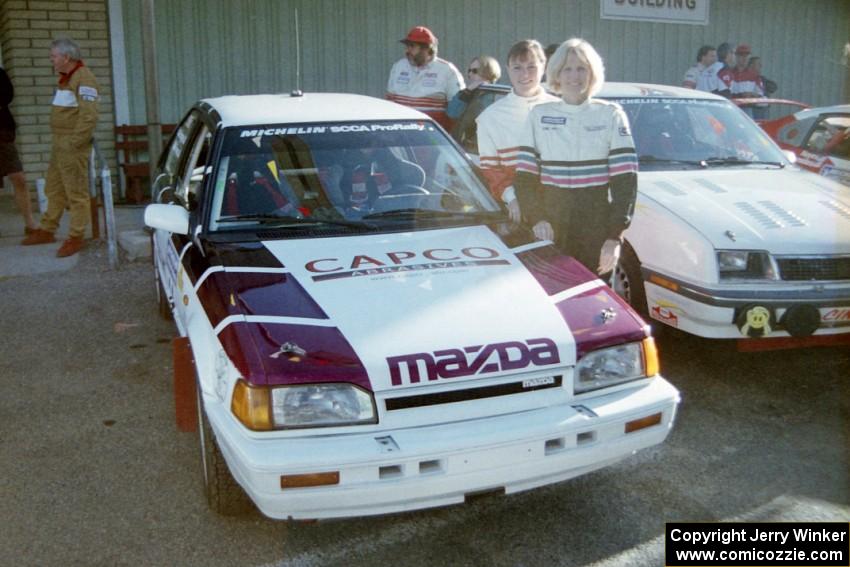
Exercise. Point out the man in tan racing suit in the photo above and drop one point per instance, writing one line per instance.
(73, 118)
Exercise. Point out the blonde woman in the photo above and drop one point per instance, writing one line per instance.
(577, 168)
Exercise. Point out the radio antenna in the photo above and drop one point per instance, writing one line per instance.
(297, 54)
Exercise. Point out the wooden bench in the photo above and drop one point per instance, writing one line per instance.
(131, 147)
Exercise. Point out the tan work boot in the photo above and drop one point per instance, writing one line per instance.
(38, 236)
(70, 247)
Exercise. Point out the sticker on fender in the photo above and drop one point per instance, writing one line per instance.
(834, 315)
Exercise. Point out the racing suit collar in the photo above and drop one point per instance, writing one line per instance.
(65, 77)
(567, 107)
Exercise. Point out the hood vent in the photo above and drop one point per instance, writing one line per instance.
(670, 188)
(784, 214)
(764, 219)
(837, 207)
(711, 186)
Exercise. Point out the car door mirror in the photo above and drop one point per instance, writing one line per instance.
(171, 218)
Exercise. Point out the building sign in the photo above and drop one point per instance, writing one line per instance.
(667, 11)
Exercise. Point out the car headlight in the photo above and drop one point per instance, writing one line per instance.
(308, 405)
(745, 265)
(615, 365)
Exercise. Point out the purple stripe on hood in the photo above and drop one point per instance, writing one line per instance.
(256, 293)
(315, 354)
(554, 271)
(584, 316)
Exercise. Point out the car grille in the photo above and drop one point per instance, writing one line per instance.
(806, 269)
(449, 397)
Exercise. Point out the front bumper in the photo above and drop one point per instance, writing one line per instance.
(717, 313)
(443, 464)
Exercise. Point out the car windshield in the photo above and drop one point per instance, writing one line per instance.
(678, 133)
(363, 174)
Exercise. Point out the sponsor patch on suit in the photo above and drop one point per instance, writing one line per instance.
(65, 99)
(556, 120)
(88, 94)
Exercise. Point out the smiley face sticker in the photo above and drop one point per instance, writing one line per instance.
(755, 321)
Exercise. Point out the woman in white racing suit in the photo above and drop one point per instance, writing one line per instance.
(577, 168)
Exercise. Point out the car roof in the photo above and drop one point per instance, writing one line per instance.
(648, 90)
(634, 90)
(247, 110)
(813, 112)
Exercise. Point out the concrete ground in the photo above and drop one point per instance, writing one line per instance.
(16, 260)
(93, 471)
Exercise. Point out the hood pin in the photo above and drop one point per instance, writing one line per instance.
(292, 351)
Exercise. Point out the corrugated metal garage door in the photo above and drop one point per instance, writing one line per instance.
(213, 47)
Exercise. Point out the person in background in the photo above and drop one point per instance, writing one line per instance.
(499, 126)
(73, 118)
(10, 161)
(577, 168)
(742, 54)
(421, 80)
(717, 78)
(468, 103)
(759, 110)
(549, 52)
(706, 56)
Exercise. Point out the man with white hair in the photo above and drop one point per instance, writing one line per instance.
(73, 118)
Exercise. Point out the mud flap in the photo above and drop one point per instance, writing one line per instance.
(185, 410)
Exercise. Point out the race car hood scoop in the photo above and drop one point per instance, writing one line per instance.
(746, 210)
(389, 312)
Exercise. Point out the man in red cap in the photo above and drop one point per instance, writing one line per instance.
(421, 80)
(743, 77)
(742, 53)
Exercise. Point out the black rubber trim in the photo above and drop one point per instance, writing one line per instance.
(425, 400)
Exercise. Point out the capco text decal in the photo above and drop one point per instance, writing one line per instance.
(402, 261)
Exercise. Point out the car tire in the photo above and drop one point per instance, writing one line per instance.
(628, 281)
(629, 284)
(223, 493)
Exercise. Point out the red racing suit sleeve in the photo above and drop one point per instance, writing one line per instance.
(498, 176)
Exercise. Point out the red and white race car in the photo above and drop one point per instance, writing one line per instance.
(820, 138)
(368, 331)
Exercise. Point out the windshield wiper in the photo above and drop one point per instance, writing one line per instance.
(290, 221)
(646, 158)
(731, 160)
(433, 214)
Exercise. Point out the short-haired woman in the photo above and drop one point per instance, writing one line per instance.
(499, 126)
(468, 103)
(577, 168)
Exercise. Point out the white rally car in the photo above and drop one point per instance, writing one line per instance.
(729, 239)
(370, 334)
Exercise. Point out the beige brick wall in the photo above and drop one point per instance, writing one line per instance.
(26, 29)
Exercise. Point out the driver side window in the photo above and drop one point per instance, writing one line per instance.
(831, 136)
(193, 169)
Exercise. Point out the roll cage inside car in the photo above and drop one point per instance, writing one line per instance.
(241, 176)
